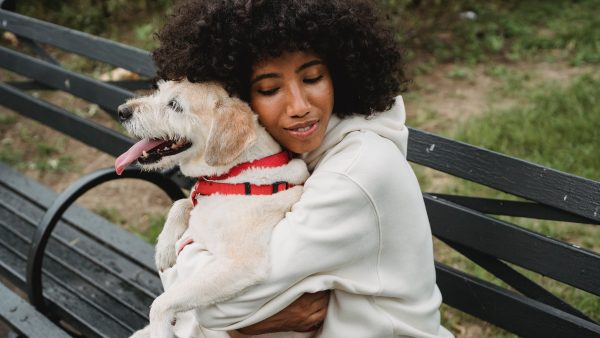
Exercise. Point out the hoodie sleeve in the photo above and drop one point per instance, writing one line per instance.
(332, 229)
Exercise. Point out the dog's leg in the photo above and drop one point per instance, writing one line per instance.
(175, 226)
(143, 333)
(220, 279)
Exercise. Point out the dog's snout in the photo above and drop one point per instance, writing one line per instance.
(125, 112)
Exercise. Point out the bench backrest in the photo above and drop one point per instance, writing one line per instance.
(464, 223)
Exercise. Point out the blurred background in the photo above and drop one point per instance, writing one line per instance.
(518, 77)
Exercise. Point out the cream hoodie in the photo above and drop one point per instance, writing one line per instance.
(360, 229)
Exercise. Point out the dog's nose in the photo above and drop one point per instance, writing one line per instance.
(125, 112)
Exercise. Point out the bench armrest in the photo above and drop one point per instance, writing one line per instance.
(62, 203)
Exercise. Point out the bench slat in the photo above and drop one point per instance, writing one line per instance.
(92, 297)
(89, 247)
(88, 45)
(514, 208)
(25, 319)
(88, 132)
(112, 295)
(508, 310)
(115, 239)
(63, 257)
(130, 85)
(516, 280)
(106, 96)
(567, 192)
(76, 311)
(547, 256)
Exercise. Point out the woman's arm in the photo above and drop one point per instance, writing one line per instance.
(333, 226)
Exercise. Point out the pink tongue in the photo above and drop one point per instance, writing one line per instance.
(133, 153)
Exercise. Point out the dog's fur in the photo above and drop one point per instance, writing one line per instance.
(234, 229)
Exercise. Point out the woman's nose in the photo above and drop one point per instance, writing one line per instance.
(298, 105)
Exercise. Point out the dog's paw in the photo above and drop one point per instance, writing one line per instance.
(175, 226)
(182, 208)
(143, 333)
(161, 320)
(165, 256)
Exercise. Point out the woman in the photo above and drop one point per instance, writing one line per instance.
(317, 72)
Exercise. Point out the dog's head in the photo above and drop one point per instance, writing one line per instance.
(185, 123)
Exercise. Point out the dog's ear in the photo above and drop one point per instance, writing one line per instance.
(232, 132)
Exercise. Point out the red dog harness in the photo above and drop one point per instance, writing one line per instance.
(209, 185)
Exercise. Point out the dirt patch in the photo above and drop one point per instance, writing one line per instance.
(447, 96)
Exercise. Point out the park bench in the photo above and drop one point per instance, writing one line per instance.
(98, 280)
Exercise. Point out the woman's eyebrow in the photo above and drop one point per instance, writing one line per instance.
(264, 76)
(309, 64)
(275, 75)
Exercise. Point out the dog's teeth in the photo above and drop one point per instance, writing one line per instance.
(174, 146)
(166, 148)
(144, 154)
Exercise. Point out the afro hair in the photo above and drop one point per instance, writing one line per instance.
(208, 40)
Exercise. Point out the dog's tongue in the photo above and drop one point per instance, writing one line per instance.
(133, 153)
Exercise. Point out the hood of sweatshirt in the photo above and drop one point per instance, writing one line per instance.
(388, 124)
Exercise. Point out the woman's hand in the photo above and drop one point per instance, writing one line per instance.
(305, 314)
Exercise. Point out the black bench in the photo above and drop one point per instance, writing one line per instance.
(99, 280)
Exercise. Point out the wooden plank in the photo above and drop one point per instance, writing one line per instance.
(106, 96)
(514, 208)
(516, 280)
(25, 319)
(76, 313)
(114, 238)
(508, 310)
(131, 85)
(549, 257)
(86, 284)
(72, 273)
(88, 45)
(88, 132)
(129, 283)
(564, 191)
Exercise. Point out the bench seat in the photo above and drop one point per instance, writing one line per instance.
(97, 276)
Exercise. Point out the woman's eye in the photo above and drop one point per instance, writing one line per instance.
(173, 104)
(313, 79)
(267, 92)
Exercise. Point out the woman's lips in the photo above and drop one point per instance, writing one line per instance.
(303, 130)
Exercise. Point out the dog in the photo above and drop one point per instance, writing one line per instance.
(218, 139)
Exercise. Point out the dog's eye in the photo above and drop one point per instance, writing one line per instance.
(173, 104)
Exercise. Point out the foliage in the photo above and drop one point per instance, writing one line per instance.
(104, 18)
(473, 31)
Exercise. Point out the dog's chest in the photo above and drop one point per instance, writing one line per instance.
(218, 218)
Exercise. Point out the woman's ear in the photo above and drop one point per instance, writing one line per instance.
(232, 132)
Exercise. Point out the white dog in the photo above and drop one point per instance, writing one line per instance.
(217, 138)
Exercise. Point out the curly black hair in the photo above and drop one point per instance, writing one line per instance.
(220, 40)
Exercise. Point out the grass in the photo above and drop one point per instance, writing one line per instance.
(149, 228)
(154, 226)
(557, 127)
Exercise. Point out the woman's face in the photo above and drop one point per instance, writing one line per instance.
(293, 97)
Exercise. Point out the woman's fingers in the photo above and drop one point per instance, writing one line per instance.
(314, 321)
(306, 313)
